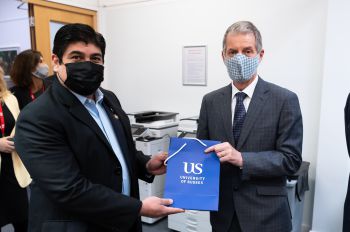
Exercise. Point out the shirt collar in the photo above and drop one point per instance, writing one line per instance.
(249, 90)
(98, 96)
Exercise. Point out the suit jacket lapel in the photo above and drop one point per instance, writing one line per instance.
(120, 114)
(79, 111)
(225, 103)
(116, 113)
(255, 106)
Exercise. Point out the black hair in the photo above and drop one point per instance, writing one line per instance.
(76, 32)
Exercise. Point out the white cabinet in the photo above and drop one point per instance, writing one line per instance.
(190, 221)
(151, 189)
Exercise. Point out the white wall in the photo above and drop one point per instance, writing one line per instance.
(86, 4)
(333, 162)
(14, 25)
(144, 55)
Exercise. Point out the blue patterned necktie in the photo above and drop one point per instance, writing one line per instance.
(239, 115)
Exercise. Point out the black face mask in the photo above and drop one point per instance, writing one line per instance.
(84, 77)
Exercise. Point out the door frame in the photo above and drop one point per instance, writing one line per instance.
(37, 28)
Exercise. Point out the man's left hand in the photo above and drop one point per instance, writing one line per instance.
(156, 165)
(226, 153)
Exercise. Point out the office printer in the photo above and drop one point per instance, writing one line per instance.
(188, 127)
(154, 123)
(151, 131)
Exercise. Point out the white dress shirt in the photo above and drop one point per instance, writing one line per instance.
(249, 90)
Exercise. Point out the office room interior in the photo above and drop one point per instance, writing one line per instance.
(306, 51)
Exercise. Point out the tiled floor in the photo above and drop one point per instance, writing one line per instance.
(160, 226)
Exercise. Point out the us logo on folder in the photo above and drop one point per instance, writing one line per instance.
(192, 178)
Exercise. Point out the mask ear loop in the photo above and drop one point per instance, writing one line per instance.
(178, 150)
(59, 77)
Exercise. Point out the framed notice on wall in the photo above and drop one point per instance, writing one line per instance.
(7, 58)
(194, 65)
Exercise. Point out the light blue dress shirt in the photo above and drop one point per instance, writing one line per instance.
(100, 116)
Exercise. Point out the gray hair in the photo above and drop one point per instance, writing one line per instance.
(244, 27)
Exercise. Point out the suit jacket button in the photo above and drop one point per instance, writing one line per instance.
(118, 170)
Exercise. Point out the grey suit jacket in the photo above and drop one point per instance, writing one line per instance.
(271, 145)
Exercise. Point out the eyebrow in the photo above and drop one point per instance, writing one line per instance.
(82, 54)
(75, 52)
(96, 54)
(244, 49)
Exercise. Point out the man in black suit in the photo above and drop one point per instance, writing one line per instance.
(346, 216)
(76, 143)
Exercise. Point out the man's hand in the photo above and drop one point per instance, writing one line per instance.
(156, 165)
(6, 145)
(227, 153)
(157, 207)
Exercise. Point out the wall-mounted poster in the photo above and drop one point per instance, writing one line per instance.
(194, 65)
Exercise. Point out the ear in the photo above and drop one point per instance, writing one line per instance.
(55, 63)
(223, 56)
(261, 54)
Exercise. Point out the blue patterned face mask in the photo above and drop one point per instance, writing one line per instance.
(241, 68)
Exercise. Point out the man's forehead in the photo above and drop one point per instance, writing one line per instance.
(240, 39)
(82, 47)
(234, 33)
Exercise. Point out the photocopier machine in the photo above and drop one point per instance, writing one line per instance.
(151, 132)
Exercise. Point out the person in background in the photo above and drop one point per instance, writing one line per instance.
(76, 142)
(29, 74)
(346, 215)
(260, 126)
(13, 175)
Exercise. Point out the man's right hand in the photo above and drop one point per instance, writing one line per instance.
(158, 207)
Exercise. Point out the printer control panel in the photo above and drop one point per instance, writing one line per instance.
(139, 131)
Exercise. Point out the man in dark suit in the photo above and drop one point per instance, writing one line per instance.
(346, 216)
(260, 126)
(76, 143)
